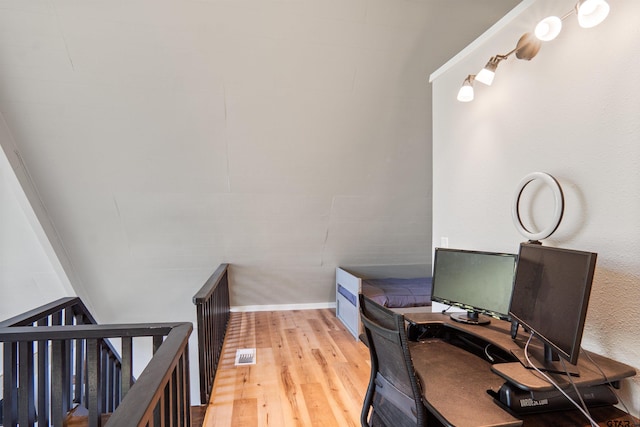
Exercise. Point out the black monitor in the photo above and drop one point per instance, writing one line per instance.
(550, 298)
(479, 282)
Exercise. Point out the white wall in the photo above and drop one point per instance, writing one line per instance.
(30, 274)
(574, 112)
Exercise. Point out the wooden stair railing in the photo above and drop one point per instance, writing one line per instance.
(72, 387)
(53, 360)
(213, 313)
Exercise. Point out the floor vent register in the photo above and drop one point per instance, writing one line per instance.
(245, 356)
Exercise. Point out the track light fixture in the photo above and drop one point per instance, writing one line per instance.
(589, 12)
(527, 47)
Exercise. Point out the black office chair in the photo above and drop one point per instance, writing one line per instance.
(394, 397)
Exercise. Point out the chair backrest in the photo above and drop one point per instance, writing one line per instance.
(394, 397)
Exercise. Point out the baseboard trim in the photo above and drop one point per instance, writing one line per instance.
(283, 307)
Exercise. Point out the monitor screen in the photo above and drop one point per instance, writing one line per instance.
(479, 282)
(551, 295)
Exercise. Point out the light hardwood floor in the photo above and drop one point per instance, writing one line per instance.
(309, 371)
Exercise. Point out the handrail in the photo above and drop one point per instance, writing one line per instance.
(75, 332)
(46, 310)
(205, 292)
(213, 313)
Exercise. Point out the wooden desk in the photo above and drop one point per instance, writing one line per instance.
(456, 381)
(454, 384)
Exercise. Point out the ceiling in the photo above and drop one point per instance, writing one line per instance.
(164, 137)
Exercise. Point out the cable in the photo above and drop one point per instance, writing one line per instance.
(446, 309)
(486, 353)
(553, 383)
(613, 389)
(575, 387)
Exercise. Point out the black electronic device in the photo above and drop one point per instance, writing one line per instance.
(550, 299)
(527, 402)
(477, 281)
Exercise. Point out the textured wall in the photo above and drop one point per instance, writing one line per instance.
(573, 112)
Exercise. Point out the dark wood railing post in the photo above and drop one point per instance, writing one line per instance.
(127, 365)
(43, 378)
(68, 361)
(58, 407)
(26, 387)
(93, 376)
(10, 402)
(157, 342)
(79, 379)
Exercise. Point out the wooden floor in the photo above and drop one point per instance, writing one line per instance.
(309, 371)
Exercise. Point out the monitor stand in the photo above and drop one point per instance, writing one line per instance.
(546, 360)
(470, 317)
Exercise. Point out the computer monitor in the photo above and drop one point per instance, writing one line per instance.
(479, 282)
(550, 298)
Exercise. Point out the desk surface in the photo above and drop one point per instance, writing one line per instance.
(455, 381)
(454, 384)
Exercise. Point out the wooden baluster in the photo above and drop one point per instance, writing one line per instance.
(117, 386)
(202, 350)
(68, 362)
(173, 402)
(127, 364)
(157, 342)
(78, 395)
(26, 388)
(43, 378)
(61, 367)
(158, 418)
(104, 376)
(10, 403)
(59, 406)
(110, 368)
(185, 396)
(93, 377)
(180, 391)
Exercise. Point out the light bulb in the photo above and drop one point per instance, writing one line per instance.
(549, 28)
(465, 94)
(486, 76)
(591, 12)
(488, 73)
